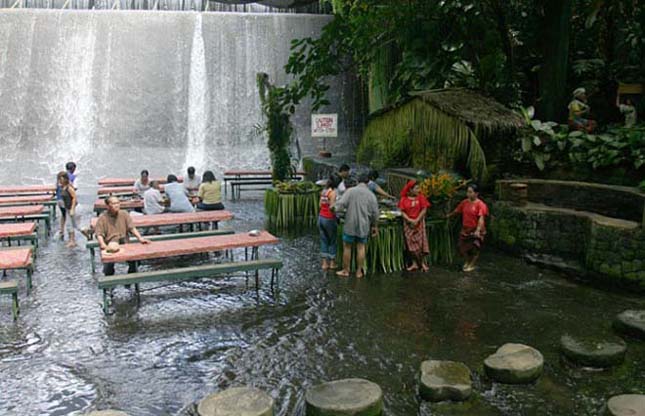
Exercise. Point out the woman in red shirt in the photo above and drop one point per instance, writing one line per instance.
(413, 207)
(473, 226)
(327, 224)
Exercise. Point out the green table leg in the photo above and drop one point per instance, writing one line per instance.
(30, 271)
(105, 301)
(92, 258)
(15, 307)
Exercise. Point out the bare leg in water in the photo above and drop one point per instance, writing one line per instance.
(347, 259)
(360, 260)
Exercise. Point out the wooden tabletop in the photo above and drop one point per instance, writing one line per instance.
(157, 220)
(252, 173)
(129, 181)
(27, 199)
(15, 259)
(100, 204)
(171, 248)
(18, 229)
(21, 211)
(25, 189)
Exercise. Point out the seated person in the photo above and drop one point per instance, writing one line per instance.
(153, 202)
(192, 181)
(177, 195)
(142, 184)
(579, 112)
(375, 187)
(210, 193)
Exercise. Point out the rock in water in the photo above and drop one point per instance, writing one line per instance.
(444, 380)
(236, 401)
(349, 397)
(107, 413)
(593, 352)
(514, 364)
(626, 405)
(631, 322)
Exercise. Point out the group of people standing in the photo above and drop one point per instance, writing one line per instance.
(355, 201)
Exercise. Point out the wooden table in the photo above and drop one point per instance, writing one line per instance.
(239, 178)
(47, 200)
(19, 232)
(27, 189)
(187, 218)
(107, 182)
(173, 248)
(128, 205)
(27, 212)
(17, 259)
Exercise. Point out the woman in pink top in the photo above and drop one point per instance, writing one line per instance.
(327, 224)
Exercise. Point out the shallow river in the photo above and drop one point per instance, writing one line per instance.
(63, 356)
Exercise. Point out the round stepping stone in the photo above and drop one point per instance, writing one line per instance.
(349, 397)
(631, 322)
(626, 405)
(592, 352)
(444, 380)
(236, 401)
(514, 364)
(107, 413)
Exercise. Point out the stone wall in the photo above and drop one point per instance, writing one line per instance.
(608, 250)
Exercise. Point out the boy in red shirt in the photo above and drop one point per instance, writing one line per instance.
(473, 226)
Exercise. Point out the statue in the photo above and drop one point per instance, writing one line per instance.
(579, 112)
(628, 109)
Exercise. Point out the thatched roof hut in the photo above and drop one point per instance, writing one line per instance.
(438, 129)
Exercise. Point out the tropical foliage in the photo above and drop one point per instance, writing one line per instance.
(442, 187)
(291, 210)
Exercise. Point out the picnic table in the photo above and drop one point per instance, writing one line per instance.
(18, 232)
(107, 182)
(47, 200)
(17, 259)
(26, 212)
(180, 218)
(128, 205)
(27, 189)
(173, 248)
(240, 178)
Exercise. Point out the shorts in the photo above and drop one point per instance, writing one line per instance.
(351, 239)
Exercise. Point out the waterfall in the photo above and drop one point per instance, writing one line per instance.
(198, 107)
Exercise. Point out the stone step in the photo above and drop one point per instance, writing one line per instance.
(593, 351)
(514, 364)
(348, 397)
(236, 401)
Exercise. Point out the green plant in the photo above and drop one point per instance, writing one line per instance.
(291, 210)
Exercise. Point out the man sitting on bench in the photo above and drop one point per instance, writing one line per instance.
(115, 225)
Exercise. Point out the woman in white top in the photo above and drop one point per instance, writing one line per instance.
(142, 184)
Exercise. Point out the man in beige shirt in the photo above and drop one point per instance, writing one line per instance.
(115, 225)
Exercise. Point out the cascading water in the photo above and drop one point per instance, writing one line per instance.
(198, 106)
(122, 91)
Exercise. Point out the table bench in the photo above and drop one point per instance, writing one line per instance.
(25, 213)
(18, 258)
(107, 283)
(10, 287)
(128, 205)
(93, 245)
(111, 182)
(27, 190)
(18, 232)
(245, 178)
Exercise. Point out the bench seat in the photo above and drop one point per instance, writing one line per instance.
(185, 273)
(10, 287)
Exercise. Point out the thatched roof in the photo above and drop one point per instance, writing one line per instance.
(472, 108)
(477, 111)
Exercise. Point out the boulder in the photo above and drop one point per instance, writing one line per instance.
(631, 322)
(236, 401)
(514, 364)
(349, 397)
(626, 405)
(593, 352)
(444, 380)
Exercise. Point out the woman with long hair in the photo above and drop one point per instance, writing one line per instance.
(68, 196)
(210, 193)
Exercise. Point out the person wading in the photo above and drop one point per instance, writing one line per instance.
(413, 207)
(471, 237)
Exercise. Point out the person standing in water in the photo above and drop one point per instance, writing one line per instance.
(471, 237)
(68, 196)
(413, 208)
(327, 224)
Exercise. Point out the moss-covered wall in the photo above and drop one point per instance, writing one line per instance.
(609, 250)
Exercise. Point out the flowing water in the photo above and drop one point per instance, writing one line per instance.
(63, 356)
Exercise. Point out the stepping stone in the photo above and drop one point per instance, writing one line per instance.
(631, 322)
(236, 401)
(626, 405)
(349, 397)
(514, 364)
(107, 413)
(592, 352)
(444, 380)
